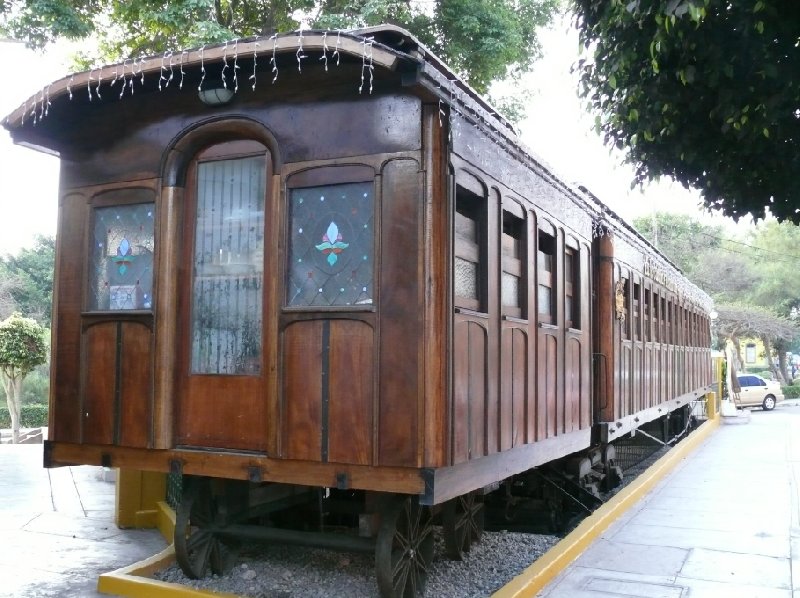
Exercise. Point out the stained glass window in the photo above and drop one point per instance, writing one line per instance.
(331, 247)
(228, 267)
(121, 273)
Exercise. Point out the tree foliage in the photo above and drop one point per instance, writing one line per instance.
(22, 348)
(26, 281)
(704, 91)
(484, 40)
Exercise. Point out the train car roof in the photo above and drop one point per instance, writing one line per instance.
(386, 47)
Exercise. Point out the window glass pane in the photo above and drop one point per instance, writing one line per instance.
(122, 258)
(545, 303)
(330, 256)
(510, 290)
(466, 283)
(228, 267)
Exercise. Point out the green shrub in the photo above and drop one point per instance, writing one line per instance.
(32, 416)
(792, 392)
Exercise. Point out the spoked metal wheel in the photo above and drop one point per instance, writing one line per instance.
(462, 522)
(198, 545)
(404, 548)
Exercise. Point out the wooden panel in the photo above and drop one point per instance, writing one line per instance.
(573, 382)
(302, 390)
(548, 384)
(99, 383)
(135, 385)
(625, 406)
(514, 386)
(478, 415)
(351, 391)
(401, 402)
(469, 389)
(65, 404)
(237, 466)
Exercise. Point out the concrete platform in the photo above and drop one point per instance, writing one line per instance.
(724, 523)
(57, 528)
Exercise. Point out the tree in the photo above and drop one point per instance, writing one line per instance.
(704, 91)
(775, 251)
(22, 348)
(483, 39)
(776, 332)
(681, 238)
(28, 278)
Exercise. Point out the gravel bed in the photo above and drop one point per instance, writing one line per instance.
(269, 571)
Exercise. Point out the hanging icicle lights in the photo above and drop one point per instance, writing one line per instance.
(458, 104)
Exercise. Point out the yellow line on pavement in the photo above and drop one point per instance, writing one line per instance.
(549, 565)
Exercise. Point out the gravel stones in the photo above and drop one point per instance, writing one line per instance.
(264, 571)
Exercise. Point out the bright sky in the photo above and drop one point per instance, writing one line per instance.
(557, 130)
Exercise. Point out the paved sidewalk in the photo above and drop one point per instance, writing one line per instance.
(57, 528)
(723, 524)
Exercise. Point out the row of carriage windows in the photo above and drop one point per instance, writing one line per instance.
(471, 274)
(654, 318)
(331, 262)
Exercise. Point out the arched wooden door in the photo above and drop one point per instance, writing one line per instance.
(221, 377)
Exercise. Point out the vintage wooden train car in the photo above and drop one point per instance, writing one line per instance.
(321, 261)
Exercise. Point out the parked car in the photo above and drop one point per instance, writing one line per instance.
(758, 392)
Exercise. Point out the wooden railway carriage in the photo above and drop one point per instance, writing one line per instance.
(338, 270)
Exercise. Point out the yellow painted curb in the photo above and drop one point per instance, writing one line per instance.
(545, 569)
(135, 581)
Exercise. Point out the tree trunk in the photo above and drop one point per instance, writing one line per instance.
(771, 362)
(13, 388)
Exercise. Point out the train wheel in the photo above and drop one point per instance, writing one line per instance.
(198, 546)
(404, 548)
(462, 520)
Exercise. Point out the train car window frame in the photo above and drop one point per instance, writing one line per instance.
(656, 317)
(513, 248)
(626, 323)
(546, 272)
(227, 271)
(647, 316)
(320, 182)
(572, 287)
(113, 257)
(469, 249)
(636, 312)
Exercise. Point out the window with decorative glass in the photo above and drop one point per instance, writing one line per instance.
(121, 271)
(546, 275)
(572, 286)
(331, 246)
(513, 287)
(228, 267)
(469, 250)
(636, 318)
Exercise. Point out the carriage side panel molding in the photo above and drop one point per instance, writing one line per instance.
(400, 365)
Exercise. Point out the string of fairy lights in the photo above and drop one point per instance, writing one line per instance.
(458, 104)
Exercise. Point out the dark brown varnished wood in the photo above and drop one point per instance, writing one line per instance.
(400, 296)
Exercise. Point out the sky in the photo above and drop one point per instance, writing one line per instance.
(557, 129)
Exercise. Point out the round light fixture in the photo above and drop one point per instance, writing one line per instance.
(215, 96)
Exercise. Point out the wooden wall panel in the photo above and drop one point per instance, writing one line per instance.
(401, 315)
(65, 388)
(548, 384)
(624, 406)
(514, 387)
(469, 389)
(302, 390)
(99, 383)
(573, 384)
(136, 385)
(351, 392)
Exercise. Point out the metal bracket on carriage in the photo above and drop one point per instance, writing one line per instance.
(342, 481)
